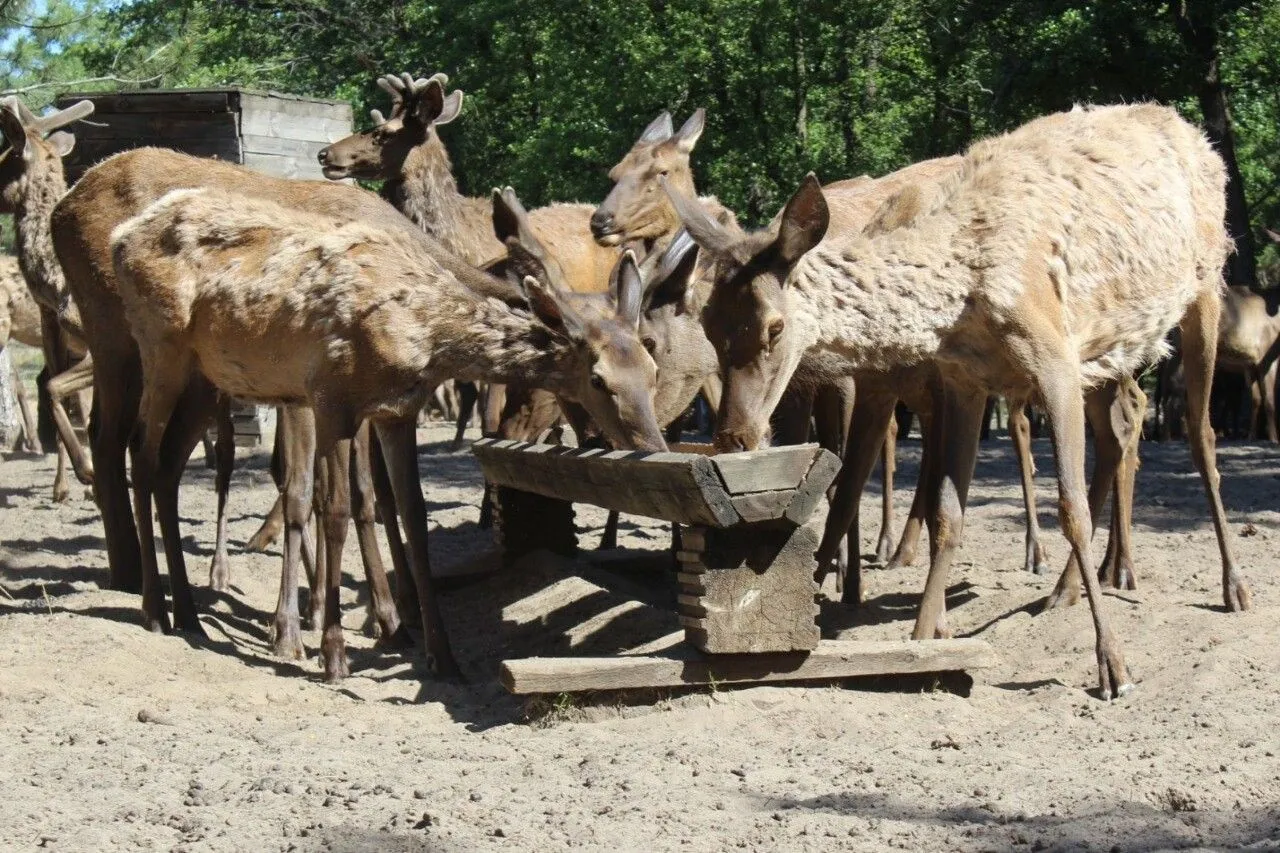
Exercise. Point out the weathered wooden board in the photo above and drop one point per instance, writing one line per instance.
(157, 101)
(832, 659)
(691, 488)
(308, 128)
(275, 102)
(670, 486)
(765, 470)
(280, 165)
(157, 126)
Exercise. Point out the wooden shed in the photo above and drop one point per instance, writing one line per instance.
(273, 133)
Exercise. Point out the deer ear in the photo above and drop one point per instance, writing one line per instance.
(428, 104)
(659, 130)
(62, 142)
(691, 130)
(671, 279)
(14, 131)
(628, 291)
(452, 106)
(706, 232)
(551, 310)
(804, 221)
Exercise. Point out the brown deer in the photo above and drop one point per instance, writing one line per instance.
(1249, 343)
(1054, 262)
(108, 194)
(356, 322)
(31, 182)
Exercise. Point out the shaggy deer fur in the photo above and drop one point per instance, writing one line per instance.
(355, 322)
(106, 195)
(1055, 261)
(31, 183)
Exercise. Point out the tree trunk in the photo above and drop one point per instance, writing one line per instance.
(1199, 34)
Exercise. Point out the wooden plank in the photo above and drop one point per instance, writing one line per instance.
(287, 147)
(820, 476)
(151, 127)
(154, 102)
(831, 660)
(669, 486)
(765, 470)
(282, 166)
(274, 102)
(307, 128)
(763, 506)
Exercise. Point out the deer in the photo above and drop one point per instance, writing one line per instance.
(31, 182)
(1249, 343)
(1052, 264)
(358, 323)
(107, 194)
(19, 321)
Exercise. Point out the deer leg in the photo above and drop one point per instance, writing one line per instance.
(1109, 450)
(909, 542)
(190, 420)
(30, 429)
(832, 406)
(888, 467)
(406, 592)
(400, 448)
(1059, 381)
(609, 538)
(224, 461)
(335, 483)
(269, 531)
(1267, 381)
(315, 594)
(1020, 429)
(363, 510)
(55, 363)
(297, 472)
(467, 394)
(866, 437)
(1199, 344)
(166, 378)
(73, 380)
(956, 426)
(1128, 413)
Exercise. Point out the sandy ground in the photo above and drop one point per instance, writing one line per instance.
(119, 739)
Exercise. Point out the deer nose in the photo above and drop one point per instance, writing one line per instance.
(323, 156)
(602, 223)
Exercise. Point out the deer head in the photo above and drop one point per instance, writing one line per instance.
(611, 374)
(746, 316)
(636, 208)
(526, 256)
(34, 146)
(417, 108)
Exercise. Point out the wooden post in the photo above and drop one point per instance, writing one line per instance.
(749, 588)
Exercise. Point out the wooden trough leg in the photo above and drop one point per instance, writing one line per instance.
(749, 589)
(526, 522)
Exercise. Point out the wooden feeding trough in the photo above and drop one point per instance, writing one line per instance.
(747, 595)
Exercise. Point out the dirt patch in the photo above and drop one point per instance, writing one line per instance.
(116, 738)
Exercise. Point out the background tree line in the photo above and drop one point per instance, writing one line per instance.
(557, 90)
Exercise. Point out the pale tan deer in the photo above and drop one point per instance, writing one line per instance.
(1054, 262)
(356, 322)
(19, 321)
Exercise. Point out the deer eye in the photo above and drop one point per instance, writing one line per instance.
(597, 382)
(651, 345)
(775, 330)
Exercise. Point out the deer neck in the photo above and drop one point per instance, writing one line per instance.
(883, 302)
(34, 239)
(425, 190)
(484, 339)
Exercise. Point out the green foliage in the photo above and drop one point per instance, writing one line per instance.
(556, 91)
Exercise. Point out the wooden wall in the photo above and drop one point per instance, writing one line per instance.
(275, 134)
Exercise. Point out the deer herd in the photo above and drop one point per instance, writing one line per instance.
(1048, 265)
